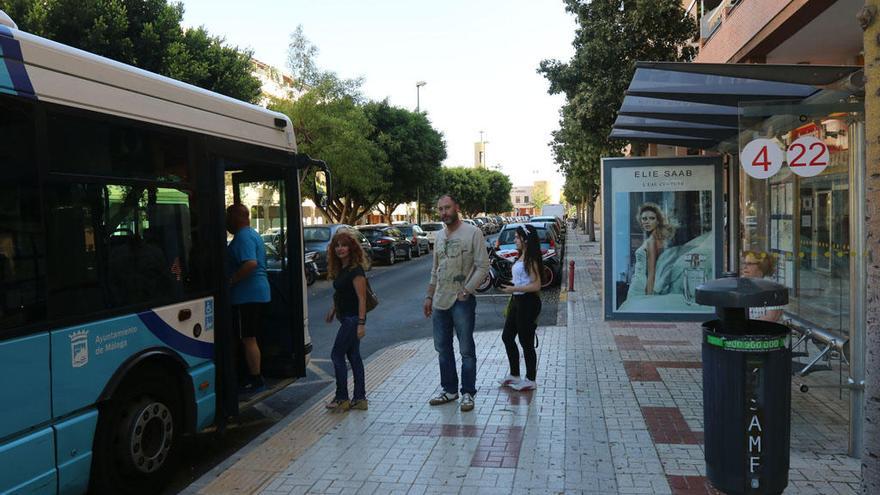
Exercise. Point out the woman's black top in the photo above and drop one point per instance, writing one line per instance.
(345, 297)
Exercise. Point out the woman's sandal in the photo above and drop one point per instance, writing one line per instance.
(359, 404)
(338, 405)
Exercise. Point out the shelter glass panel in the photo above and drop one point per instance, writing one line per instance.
(802, 222)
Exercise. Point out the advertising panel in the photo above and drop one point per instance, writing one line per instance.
(663, 235)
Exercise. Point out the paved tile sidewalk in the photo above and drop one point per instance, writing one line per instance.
(618, 410)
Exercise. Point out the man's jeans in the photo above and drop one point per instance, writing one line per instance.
(461, 317)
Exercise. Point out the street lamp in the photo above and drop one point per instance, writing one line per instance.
(419, 84)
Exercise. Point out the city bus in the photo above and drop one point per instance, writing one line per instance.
(115, 331)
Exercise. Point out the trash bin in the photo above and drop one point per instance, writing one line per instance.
(746, 388)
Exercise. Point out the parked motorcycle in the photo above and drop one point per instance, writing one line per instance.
(312, 273)
(501, 270)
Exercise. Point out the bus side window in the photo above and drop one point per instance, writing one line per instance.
(118, 246)
(22, 242)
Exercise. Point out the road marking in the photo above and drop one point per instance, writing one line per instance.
(268, 411)
(318, 371)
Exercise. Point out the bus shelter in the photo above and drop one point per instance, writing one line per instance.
(792, 140)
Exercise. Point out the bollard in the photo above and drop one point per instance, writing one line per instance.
(571, 276)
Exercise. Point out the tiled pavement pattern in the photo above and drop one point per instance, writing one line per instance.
(618, 410)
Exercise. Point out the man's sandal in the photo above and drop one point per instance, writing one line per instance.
(443, 398)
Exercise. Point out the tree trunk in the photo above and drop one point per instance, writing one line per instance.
(591, 227)
(871, 452)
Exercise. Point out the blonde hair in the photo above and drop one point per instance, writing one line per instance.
(664, 230)
(765, 262)
(356, 254)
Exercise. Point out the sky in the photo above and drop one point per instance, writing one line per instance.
(478, 58)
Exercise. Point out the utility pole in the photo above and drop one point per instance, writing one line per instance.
(419, 85)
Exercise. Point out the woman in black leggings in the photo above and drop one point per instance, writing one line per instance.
(523, 310)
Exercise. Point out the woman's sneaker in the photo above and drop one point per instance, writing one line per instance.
(524, 384)
(508, 380)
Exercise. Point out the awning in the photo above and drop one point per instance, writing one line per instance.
(696, 105)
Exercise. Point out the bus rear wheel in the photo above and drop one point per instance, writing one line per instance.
(138, 437)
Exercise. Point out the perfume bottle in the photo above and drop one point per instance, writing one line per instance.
(694, 275)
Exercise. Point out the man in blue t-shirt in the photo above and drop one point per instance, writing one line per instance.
(249, 289)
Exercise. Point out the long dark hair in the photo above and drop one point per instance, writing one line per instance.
(356, 254)
(531, 254)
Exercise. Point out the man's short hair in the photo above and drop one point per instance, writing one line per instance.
(238, 210)
(450, 196)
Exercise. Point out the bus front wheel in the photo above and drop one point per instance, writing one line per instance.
(138, 437)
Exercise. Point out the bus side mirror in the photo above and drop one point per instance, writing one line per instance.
(321, 188)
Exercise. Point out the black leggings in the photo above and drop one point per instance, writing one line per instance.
(522, 321)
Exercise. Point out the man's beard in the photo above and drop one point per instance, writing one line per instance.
(450, 218)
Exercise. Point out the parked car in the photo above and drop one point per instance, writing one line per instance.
(389, 244)
(417, 237)
(317, 237)
(468, 220)
(557, 234)
(431, 229)
(551, 218)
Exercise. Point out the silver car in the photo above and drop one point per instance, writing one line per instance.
(431, 229)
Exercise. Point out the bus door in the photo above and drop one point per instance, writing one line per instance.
(267, 195)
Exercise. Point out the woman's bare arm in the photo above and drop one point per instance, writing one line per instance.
(360, 288)
(652, 266)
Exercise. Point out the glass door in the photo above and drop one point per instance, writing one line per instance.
(263, 192)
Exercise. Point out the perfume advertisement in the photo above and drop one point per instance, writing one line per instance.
(663, 230)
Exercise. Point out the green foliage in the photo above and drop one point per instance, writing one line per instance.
(539, 199)
(414, 150)
(477, 190)
(301, 55)
(142, 33)
(338, 131)
(612, 35)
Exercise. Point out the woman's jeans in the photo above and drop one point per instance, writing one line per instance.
(348, 345)
(522, 322)
(460, 318)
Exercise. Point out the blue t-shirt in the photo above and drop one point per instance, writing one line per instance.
(247, 245)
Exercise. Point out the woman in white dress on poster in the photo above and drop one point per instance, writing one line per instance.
(658, 234)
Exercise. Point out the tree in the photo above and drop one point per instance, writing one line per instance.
(871, 434)
(497, 196)
(142, 33)
(612, 35)
(301, 55)
(477, 190)
(539, 199)
(338, 131)
(330, 123)
(202, 60)
(413, 148)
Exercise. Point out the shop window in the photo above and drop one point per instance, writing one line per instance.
(22, 242)
(114, 246)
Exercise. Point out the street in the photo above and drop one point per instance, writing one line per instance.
(398, 318)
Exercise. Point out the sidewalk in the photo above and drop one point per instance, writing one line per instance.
(618, 410)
